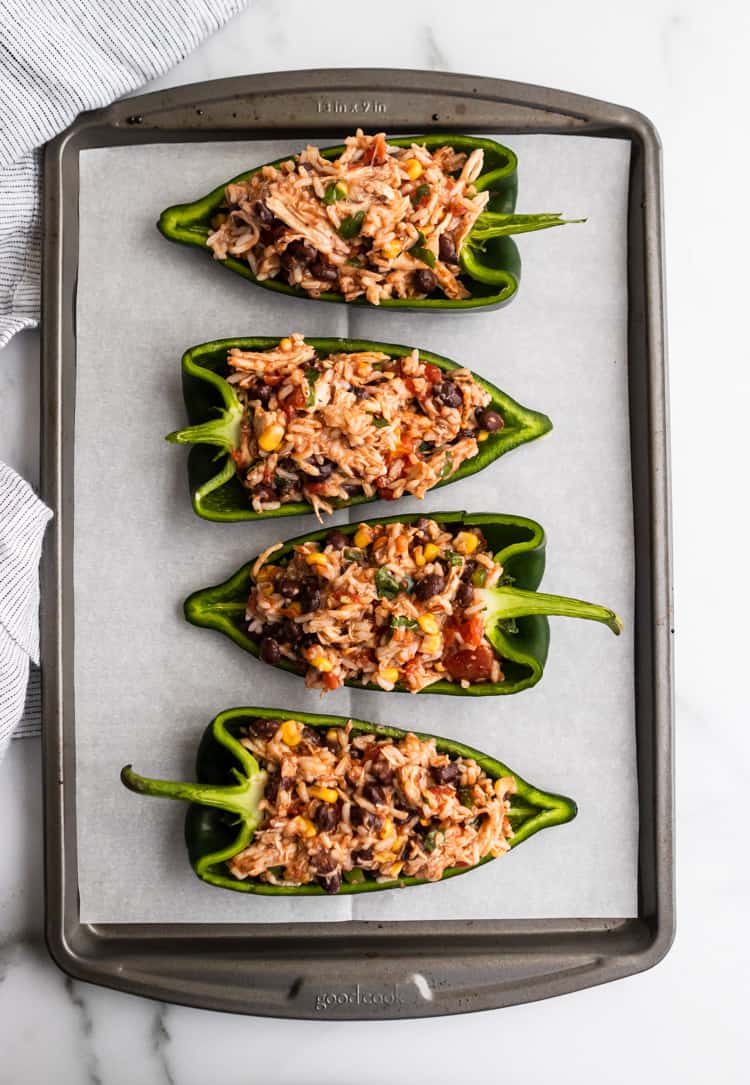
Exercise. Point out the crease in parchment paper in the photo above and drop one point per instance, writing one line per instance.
(147, 683)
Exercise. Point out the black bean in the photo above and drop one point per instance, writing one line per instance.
(382, 771)
(425, 280)
(446, 774)
(464, 433)
(362, 855)
(365, 243)
(337, 539)
(302, 252)
(309, 640)
(269, 650)
(448, 394)
(309, 597)
(327, 816)
(323, 862)
(286, 585)
(359, 391)
(264, 491)
(263, 215)
(291, 632)
(331, 882)
(465, 594)
(468, 570)
(423, 523)
(352, 488)
(374, 793)
(374, 822)
(429, 585)
(325, 273)
(311, 736)
(490, 420)
(264, 729)
(286, 463)
(356, 814)
(286, 783)
(262, 392)
(323, 466)
(448, 252)
(271, 790)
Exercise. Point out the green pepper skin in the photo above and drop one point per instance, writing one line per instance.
(219, 495)
(212, 840)
(491, 266)
(518, 545)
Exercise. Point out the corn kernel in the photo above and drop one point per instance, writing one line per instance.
(419, 558)
(482, 435)
(320, 663)
(389, 674)
(433, 644)
(428, 623)
(362, 536)
(414, 168)
(363, 368)
(391, 250)
(424, 821)
(466, 542)
(286, 343)
(307, 827)
(218, 220)
(292, 611)
(439, 666)
(389, 376)
(290, 733)
(332, 734)
(268, 572)
(396, 869)
(342, 187)
(271, 438)
(385, 856)
(431, 551)
(316, 558)
(325, 794)
(387, 829)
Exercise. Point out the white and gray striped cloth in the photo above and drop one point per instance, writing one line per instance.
(57, 59)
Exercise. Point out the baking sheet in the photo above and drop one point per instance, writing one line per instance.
(147, 683)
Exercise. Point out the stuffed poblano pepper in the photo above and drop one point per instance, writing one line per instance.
(314, 425)
(417, 223)
(445, 604)
(302, 805)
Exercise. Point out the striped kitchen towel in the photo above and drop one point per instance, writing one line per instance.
(57, 59)
(23, 518)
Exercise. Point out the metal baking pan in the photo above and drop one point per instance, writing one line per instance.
(362, 970)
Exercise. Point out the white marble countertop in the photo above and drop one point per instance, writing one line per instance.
(685, 65)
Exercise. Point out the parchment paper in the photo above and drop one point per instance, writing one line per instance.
(147, 683)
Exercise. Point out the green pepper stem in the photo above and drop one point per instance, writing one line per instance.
(495, 224)
(507, 602)
(242, 798)
(223, 431)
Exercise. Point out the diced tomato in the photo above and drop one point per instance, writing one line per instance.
(433, 373)
(473, 664)
(409, 382)
(273, 379)
(331, 681)
(471, 632)
(316, 487)
(294, 402)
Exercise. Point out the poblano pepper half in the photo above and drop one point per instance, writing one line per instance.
(224, 813)
(489, 260)
(216, 414)
(515, 613)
